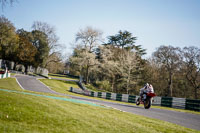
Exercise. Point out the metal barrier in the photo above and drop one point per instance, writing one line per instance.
(173, 102)
(192, 104)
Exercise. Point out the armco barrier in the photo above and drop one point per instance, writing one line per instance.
(99, 94)
(192, 104)
(131, 99)
(108, 96)
(119, 97)
(125, 97)
(113, 96)
(180, 103)
(157, 101)
(166, 101)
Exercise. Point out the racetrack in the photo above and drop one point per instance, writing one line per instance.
(184, 119)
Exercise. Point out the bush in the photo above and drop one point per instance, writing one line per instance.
(103, 85)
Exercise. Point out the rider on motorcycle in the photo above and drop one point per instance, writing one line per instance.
(146, 89)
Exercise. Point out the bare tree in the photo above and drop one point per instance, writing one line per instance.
(108, 67)
(169, 58)
(85, 61)
(192, 71)
(5, 2)
(117, 65)
(52, 38)
(89, 38)
(128, 61)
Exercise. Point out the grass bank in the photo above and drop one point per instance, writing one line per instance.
(26, 113)
(9, 83)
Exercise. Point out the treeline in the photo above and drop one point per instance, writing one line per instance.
(38, 48)
(118, 65)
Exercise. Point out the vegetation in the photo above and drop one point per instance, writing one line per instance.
(21, 113)
(64, 87)
(118, 66)
(3, 3)
(59, 86)
(61, 76)
(27, 113)
(38, 47)
(9, 83)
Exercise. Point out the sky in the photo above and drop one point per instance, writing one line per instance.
(153, 22)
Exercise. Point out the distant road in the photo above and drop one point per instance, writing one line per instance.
(184, 119)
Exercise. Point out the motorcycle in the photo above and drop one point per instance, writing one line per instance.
(146, 99)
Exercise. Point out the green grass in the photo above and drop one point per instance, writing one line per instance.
(61, 76)
(92, 88)
(64, 86)
(59, 86)
(25, 113)
(9, 83)
(12, 74)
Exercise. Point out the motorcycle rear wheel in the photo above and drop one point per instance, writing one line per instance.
(147, 103)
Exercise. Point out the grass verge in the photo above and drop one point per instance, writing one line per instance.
(26, 113)
(9, 83)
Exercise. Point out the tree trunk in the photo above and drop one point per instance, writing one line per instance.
(15, 65)
(195, 93)
(87, 75)
(113, 82)
(26, 69)
(170, 84)
(128, 82)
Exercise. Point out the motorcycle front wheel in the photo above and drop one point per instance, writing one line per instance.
(138, 101)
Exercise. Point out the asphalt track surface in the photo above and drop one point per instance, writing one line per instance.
(180, 118)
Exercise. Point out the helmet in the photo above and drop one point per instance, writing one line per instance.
(147, 84)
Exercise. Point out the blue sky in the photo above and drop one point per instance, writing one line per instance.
(153, 22)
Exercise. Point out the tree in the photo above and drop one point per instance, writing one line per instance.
(52, 40)
(117, 66)
(26, 52)
(108, 66)
(55, 67)
(41, 43)
(191, 57)
(125, 40)
(5, 2)
(169, 59)
(88, 38)
(122, 39)
(85, 61)
(8, 39)
(154, 74)
(128, 62)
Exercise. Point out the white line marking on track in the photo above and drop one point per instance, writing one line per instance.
(19, 84)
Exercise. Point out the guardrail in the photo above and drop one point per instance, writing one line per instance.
(173, 102)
